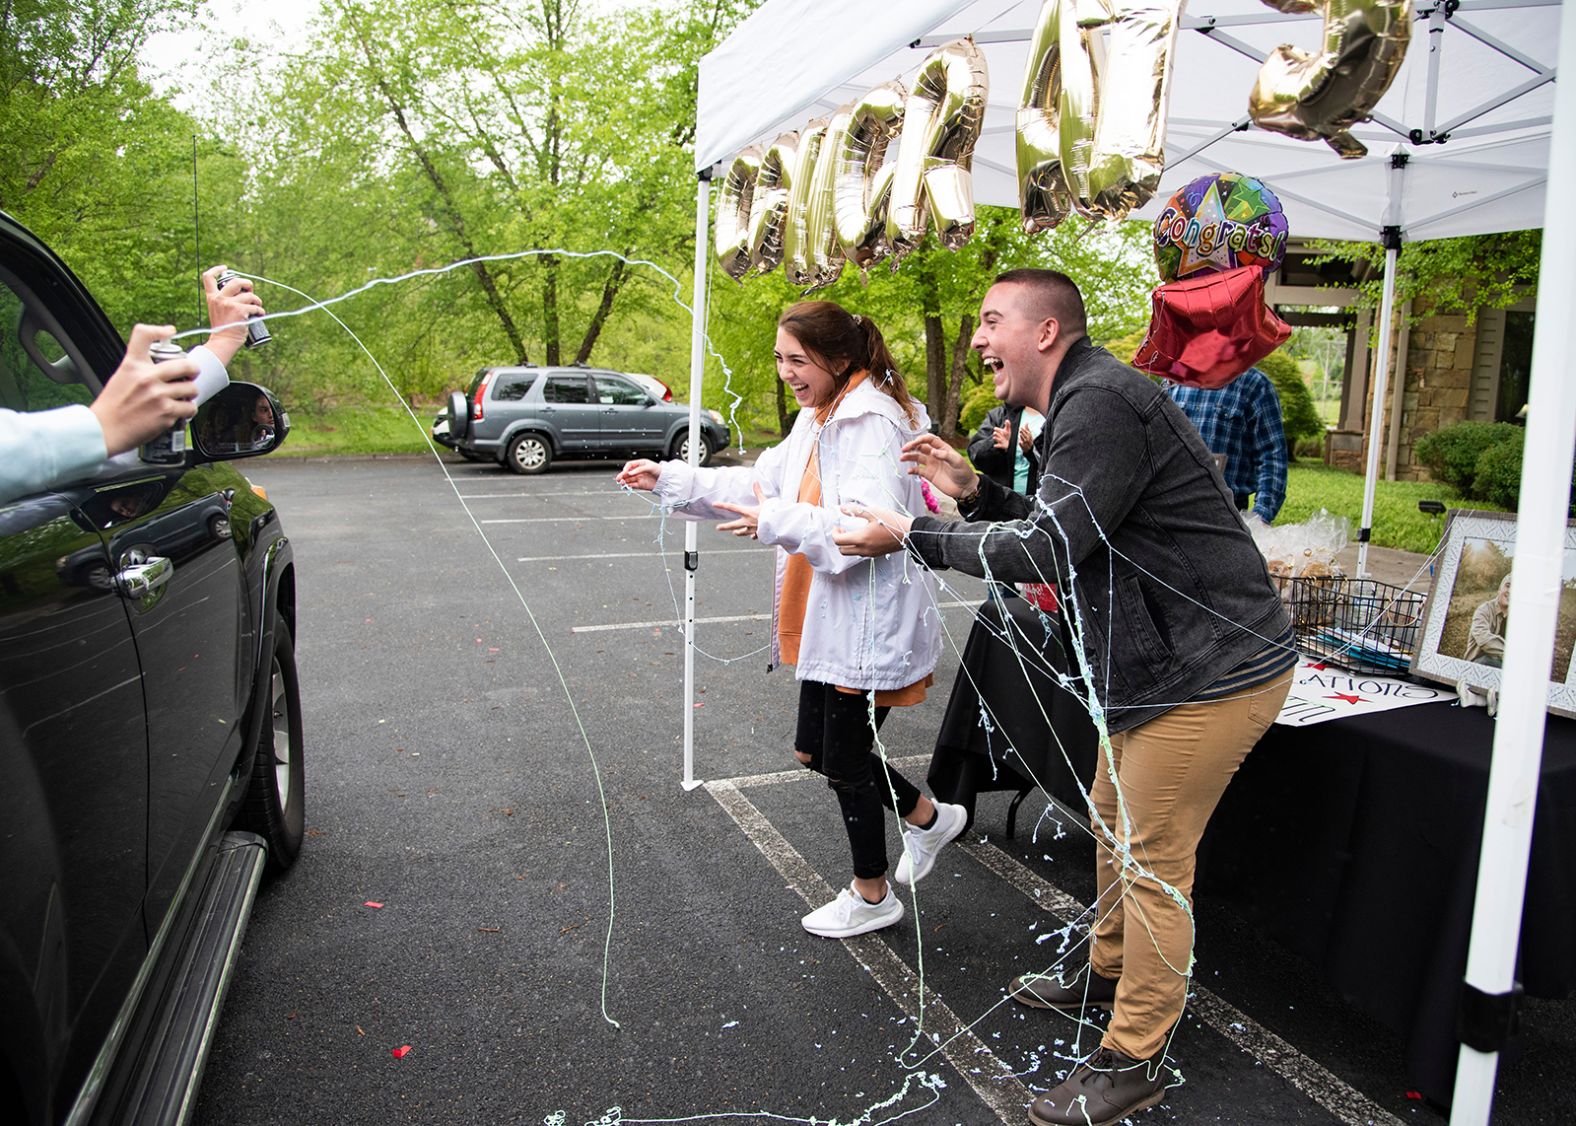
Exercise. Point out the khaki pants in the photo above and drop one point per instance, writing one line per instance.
(1172, 771)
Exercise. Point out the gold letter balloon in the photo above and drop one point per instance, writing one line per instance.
(862, 176)
(732, 239)
(1091, 136)
(810, 255)
(1320, 96)
(769, 208)
(935, 154)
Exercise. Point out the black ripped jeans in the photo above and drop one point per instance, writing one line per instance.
(834, 730)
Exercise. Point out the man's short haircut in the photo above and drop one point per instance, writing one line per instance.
(1051, 293)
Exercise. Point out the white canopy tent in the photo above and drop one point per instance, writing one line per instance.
(1459, 145)
(1469, 116)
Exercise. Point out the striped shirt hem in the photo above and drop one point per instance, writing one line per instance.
(1265, 665)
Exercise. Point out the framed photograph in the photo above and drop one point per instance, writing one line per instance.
(1463, 634)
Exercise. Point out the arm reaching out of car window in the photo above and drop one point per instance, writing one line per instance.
(143, 398)
(41, 449)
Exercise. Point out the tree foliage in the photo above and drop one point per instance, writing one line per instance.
(96, 164)
(409, 137)
(1449, 275)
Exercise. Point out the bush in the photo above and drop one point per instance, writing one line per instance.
(1125, 348)
(977, 403)
(1497, 475)
(1453, 453)
(1299, 417)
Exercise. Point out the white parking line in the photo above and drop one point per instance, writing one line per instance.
(500, 496)
(677, 553)
(714, 621)
(1320, 1085)
(566, 519)
(991, 1078)
(670, 622)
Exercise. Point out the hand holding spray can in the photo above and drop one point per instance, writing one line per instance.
(257, 333)
(168, 448)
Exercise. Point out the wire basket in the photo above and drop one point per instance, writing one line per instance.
(1360, 624)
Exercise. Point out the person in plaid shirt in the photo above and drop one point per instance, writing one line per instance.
(1242, 421)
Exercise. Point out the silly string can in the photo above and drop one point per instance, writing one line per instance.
(257, 333)
(168, 448)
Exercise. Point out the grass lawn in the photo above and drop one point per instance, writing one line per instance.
(1311, 486)
(356, 430)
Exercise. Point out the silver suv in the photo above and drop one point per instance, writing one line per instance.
(524, 417)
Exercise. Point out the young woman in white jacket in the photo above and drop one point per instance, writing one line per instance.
(863, 634)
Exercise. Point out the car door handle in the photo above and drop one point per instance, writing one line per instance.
(141, 579)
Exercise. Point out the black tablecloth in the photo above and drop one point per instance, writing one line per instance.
(1006, 744)
(1353, 842)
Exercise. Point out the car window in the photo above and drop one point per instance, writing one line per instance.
(35, 371)
(619, 391)
(512, 388)
(566, 389)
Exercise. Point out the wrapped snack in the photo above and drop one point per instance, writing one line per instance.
(1301, 561)
(1309, 548)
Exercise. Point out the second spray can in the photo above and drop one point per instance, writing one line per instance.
(257, 333)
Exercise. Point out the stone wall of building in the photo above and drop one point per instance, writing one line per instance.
(1441, 350)
(1440, 357)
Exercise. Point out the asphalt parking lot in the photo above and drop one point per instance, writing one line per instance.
(453, 896)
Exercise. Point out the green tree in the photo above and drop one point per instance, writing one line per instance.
(1466, 274)
(99, 166)
(468, 129)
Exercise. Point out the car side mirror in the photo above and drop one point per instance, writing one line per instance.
(243, 420)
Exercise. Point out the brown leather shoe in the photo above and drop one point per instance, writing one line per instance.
(1104, 1089)
(1066, 995)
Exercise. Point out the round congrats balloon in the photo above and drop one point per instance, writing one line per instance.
(1219, 222)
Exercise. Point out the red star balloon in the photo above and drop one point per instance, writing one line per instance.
(1206, 331)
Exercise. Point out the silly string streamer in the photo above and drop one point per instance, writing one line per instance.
(1043, 522)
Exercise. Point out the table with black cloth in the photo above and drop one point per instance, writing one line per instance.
(1014, 655)
(1353, 842)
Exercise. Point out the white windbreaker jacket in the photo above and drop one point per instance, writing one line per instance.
(869, 623)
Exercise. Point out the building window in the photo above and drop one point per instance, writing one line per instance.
(1515, 368)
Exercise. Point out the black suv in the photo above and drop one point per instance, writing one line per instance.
(150, 730)
(524, 417)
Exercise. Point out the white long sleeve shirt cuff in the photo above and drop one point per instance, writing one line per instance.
(211, 375)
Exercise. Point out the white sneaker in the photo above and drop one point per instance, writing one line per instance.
(921, 845)
(849, 914)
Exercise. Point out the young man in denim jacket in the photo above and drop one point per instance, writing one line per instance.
(1182, 636)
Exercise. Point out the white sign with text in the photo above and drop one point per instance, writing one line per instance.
(1321, 692)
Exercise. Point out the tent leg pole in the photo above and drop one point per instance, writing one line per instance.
(691, 543)
(1376, 418)
(1535, 587)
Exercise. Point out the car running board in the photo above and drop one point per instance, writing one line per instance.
(162, 1091)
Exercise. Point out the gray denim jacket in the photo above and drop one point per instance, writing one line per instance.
(1134, 521)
